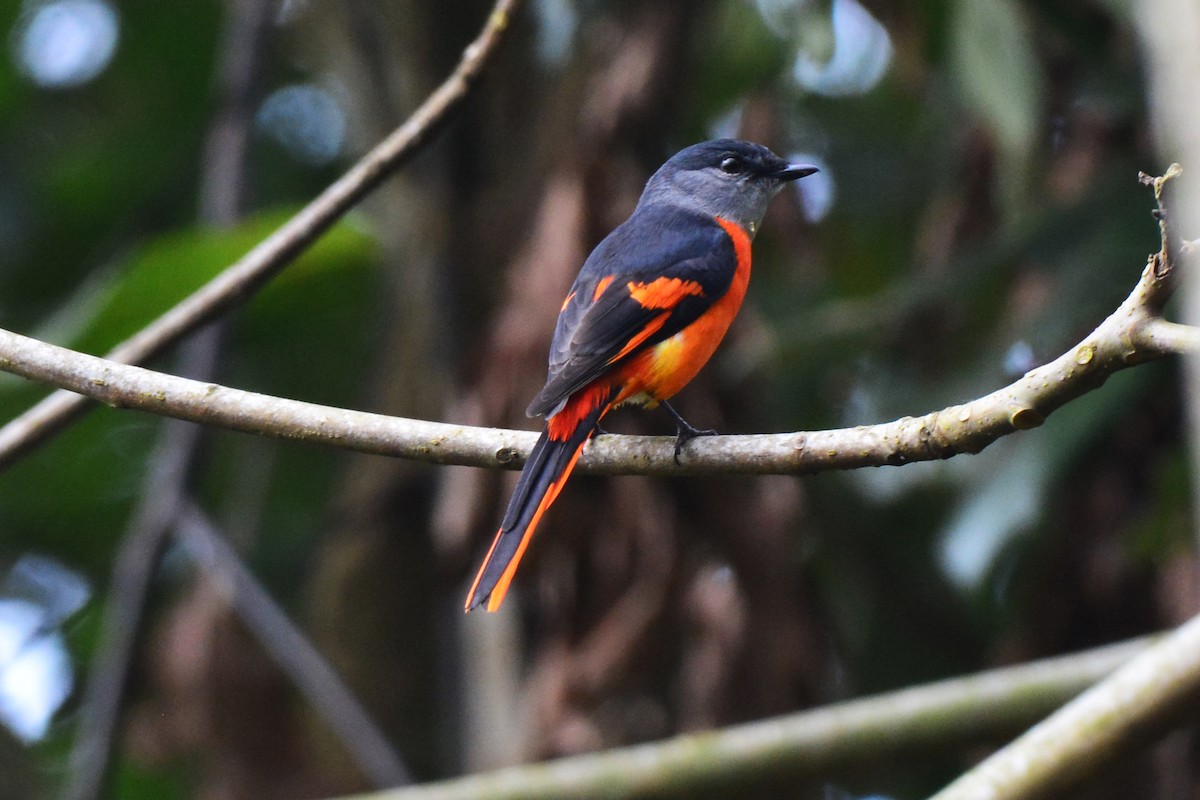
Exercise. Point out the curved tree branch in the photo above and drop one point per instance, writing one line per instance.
(1132, 334)
(240, 280)
(1119, 342)
(1121, 712)
(810, 743)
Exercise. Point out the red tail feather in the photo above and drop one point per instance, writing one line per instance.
(550, 464)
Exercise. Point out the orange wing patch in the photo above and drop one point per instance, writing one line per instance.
(644, 334)
(604, 283)
(567, 302)
(663, 292)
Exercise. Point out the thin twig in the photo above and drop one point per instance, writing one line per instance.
(1121, 712)
(294, 653)
(240, 280)
(1169, 337)
(812, 743)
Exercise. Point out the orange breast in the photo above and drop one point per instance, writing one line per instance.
(661, 371)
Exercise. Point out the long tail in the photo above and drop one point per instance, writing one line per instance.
(550, 464)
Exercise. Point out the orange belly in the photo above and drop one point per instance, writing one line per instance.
(659, 372)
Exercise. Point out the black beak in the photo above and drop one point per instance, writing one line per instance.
(793, 171)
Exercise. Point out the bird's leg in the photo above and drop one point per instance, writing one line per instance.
(684, 432)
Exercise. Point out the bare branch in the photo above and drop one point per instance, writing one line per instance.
(1130, 335)
(1164, 336)
(1111, 717)
(240, 280)
(953, 712)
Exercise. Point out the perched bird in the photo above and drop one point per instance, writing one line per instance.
(651, 304)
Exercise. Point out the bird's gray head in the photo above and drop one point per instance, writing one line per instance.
(726, 178)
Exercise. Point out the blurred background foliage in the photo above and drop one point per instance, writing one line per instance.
(977, 213)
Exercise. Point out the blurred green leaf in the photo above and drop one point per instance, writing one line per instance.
(999, 78)
(134, 781)
(112, 161)
(748, 56)
(170, 268)
(309, 330)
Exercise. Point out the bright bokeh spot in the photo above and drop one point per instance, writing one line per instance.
(36, 597)
(994, 511)
(862, 51)
(1019, 359)
(306, 120)
(60, 592)
(35, 671)
(558, 21)
(817, 191)
(66, 43)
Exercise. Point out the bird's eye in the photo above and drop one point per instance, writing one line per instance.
(732, 166)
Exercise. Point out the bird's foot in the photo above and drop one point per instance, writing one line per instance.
(684, 432)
